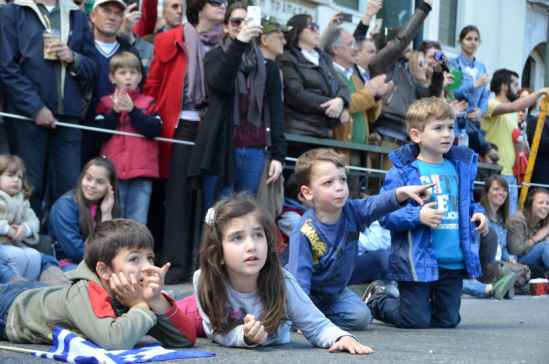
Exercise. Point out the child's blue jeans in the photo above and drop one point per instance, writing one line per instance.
(8, 294)
(422, 304)
(347, 312)
(135, 197)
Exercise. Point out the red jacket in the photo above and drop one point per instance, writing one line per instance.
(133, 157)
(165, 84)
(147, 22)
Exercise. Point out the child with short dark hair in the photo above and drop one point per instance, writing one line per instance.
(433, 247)
(324, 244)
(136, 159)
(114, 300)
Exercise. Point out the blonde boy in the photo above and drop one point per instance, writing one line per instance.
(324, 244)
(434, 246)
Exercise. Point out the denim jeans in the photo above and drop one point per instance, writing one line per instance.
(22, 260)
(422, 304)
(250, 163)
(347, 312)
(474, 288)
(51, 155)
(135, 196)
(370, 266)
(8, 294)
(513, 194)
(6, 273)
(538, 255)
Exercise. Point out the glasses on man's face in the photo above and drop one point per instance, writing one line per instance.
(217, 3)
(235, 22)
(313, 27)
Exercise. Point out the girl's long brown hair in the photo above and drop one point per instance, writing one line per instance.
(14, 164)
(503, 210)
(528, 208)
(213, 281)
(86, 222)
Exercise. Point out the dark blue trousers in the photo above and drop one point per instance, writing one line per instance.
(422, 304)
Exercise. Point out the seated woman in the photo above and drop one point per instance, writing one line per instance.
(76, 213)
(528, 233)
(495, 200)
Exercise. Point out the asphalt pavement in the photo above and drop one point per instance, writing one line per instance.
(491, 331)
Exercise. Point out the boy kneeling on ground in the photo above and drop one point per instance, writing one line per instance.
(434, 246)
(114, 300)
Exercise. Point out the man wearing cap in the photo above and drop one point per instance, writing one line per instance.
(46, 90)
(107, 17)
(272, 39)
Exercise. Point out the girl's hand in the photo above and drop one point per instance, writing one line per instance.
(4, 240)
(20, 232)
(254, 332)
(419, 194)
(247, 32)
(483, 226)
(275, 169)
(11, 232)
(349, 343)
(334, 107)
(107, 204)
(129, 293)
(482, 81)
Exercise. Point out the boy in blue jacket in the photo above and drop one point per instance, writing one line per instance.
(435, 245)
(324, 244)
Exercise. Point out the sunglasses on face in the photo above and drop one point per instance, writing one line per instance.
(217, 3)
(423, 63)
(313, 27)
(235, 22)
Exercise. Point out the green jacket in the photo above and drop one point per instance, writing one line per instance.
(86, 309)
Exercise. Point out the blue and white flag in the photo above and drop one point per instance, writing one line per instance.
(71, 348)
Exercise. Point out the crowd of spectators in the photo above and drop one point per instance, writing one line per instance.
(233, 88)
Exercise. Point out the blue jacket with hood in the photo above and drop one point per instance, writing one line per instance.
(412, 257)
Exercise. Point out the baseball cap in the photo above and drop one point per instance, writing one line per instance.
(270, 25)
(101, 2)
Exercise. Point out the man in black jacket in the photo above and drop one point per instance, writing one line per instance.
(47, 90)
(107, 17)
(391, 60)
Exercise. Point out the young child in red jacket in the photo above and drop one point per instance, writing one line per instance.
(135, 159)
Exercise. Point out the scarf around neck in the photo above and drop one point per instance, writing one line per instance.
(195, 46)
(249, 90)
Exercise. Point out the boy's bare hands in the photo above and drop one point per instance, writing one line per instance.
(482, 228)
(128, 292)
(126, 102)
(154, 281)
(254, 332)
(20, 232)
(116, 99)
(430, 216)
(419, 194)
(349, 343)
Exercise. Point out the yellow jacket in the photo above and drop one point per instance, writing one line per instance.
(361, 100)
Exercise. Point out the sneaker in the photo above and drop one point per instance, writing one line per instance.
(504, 271)
(373, 288)
(502, 287)
(392, 288)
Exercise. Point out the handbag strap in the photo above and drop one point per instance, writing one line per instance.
(267, 121)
